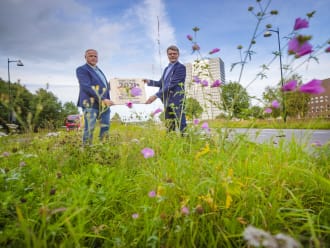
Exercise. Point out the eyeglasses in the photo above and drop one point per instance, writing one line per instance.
(170, 54)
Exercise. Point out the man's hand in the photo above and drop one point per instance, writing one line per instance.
(151, 99)
(108, 102)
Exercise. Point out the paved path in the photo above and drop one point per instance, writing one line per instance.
(301, 135)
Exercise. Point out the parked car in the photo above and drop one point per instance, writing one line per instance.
(72, 122)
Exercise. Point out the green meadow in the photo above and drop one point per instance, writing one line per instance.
(200, 190)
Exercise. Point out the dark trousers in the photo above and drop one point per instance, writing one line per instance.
(175, 117)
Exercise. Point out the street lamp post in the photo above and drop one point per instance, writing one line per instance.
(19, 63)
(268, 34)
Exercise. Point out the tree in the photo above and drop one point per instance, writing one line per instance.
(296, 104)
(269, 95)
(235, 99)
(256, 112)
(69, 108)
(48, 112)
(193, 108)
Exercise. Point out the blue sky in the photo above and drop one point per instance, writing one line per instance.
(50, 37)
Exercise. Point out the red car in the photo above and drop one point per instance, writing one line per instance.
(72, 122)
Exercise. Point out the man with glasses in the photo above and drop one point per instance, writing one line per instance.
(171, 91)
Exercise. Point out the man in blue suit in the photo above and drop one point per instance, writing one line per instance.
(171, 91)
(94, 97)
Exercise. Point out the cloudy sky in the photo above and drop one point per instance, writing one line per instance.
(50, 37)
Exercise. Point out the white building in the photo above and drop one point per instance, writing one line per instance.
(210, 69)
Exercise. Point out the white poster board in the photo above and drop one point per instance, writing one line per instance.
(121, 90)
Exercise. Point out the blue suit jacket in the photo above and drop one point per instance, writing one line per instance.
(171, 88)
(89, 97)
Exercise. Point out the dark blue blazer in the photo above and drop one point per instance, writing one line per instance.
(171, 88)
(88, 79)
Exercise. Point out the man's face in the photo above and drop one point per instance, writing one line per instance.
(91, 57)
(172, 55)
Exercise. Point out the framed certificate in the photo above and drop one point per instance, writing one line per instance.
(124, 90)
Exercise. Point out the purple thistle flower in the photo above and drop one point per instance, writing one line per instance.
(268, 110)
(316, 143)
(152, 194)
(156, 111)
(300, 23)
(216, 83)
(205, 83)
(135, 91)
(205, 126)
(195, 47)
(148, 152)
(135, 215)
(290, 86)
(196, 121)
(22, 164)
(327, 50)
(196, 79)
(5, 154)
(214, 50)
(129, 104)
(189, 37)
(185, 210)
(312, 87)
(275, 104)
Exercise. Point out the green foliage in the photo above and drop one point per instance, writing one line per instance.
(256, 112)
(270, 94)
(235, 99)
(193, 108)
(69, 108)
(32, 111)
(55, 193)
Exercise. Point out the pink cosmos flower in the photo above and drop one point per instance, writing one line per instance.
(185, 210)
(275, 104)
(268, 110)
(299, 48)
(300, 23)
(148, 152)
(152, 194)
(129, 104)
(189, 37)
(135, 91)
(205, 83)
(304, 49)
(196, 121)
(135, 215)
(216, 83)
(312, 87)
(214, 50)
(196, 79)
(156, 111)
(195, 47)
(290, 86)
(327, 50)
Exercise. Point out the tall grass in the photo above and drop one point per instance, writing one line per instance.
(197, 191)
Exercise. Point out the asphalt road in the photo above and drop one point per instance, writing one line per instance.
(306, 136)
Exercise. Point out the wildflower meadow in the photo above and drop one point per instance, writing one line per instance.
(144, 187)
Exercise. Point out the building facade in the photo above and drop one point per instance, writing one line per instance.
(209, 98)
(319, 105)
